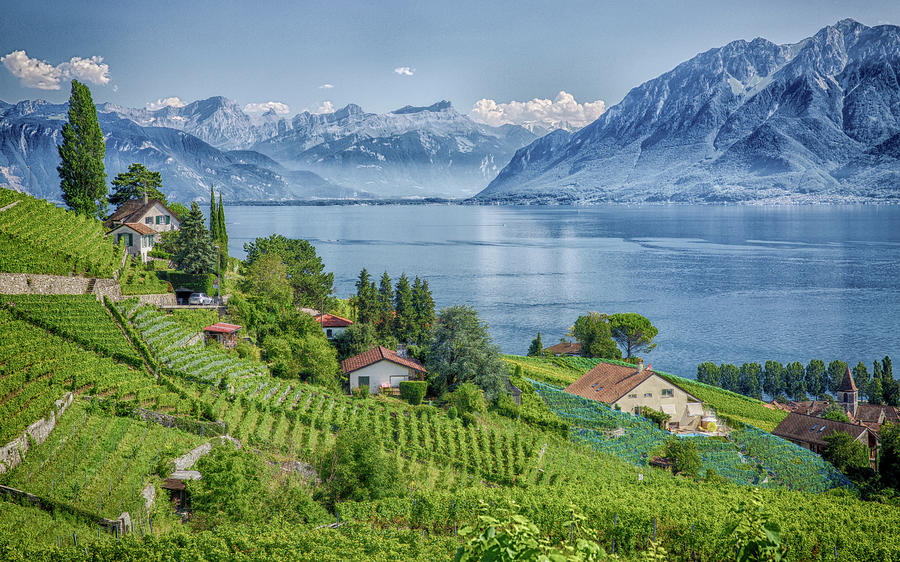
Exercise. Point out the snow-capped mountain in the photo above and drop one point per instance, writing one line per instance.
(432, 150)
(817, 120)
(30, 133)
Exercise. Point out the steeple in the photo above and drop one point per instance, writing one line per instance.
(847, 393)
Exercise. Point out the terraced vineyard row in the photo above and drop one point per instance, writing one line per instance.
(38, 237)
(77, 317)
(37, 368)
(98, 463)
(169, 342)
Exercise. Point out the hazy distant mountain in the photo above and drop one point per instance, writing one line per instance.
(30, 132)
(413, 150)
(812, 121)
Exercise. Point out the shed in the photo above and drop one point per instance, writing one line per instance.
(222, 332)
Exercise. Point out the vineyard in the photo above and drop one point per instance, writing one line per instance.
(37, 368)
(37, 237)
(80, 318)
(136, 280)
(750, 456)
(98, 463)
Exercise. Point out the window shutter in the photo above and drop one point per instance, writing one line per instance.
(168, 219)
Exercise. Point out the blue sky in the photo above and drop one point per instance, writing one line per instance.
(381, 55)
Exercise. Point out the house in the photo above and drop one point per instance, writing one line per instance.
(810, 432)
(151, 213)
(564, 348)
(332, 324)
(138, 238)
(380, 368)
(222, 332)
(633, 387)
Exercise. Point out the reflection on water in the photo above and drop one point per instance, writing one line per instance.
(721, 283)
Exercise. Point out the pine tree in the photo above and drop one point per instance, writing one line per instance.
(537, 346)
(385, 306)
(222, 235)
(424, 306)
(194, 249)
(405, 322)
(135, 183)
(81, 171)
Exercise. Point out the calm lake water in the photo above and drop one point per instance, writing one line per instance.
(724, 284)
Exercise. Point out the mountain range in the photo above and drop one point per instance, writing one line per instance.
(817, 120)
(347, 154)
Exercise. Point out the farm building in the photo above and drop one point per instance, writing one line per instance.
(380, 368)
(810, 432)
(222, 332)
(633, 387)
(332, 324)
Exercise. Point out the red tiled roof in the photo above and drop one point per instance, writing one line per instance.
(222, 328)
(137, 227)
(564, 348)
(608, 382)
(847, 383)
(135, 208)
(375, 355)
(809, 429)
(333, 321)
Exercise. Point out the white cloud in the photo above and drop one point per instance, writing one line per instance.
(115, 87)
(325, 107)
(326, 86)
(35, 73)
(562, 112)
(404, 71)
(260, 108)
(173, 101)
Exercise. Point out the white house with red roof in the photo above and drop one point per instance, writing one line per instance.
(380, 368)
(332, 324)
(137, 237)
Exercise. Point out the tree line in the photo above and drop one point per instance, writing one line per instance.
(794, 381)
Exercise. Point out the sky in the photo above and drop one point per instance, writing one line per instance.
(497, 61)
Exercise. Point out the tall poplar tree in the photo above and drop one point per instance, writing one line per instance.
(81, 171)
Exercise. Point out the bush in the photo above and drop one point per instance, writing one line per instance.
(357, 469)
(685, 456)
(362, 391)
(505, 406)
(655, 416)
(413, 391)
(247, 350)
(468, 398)
(468, 419)
(452, 413)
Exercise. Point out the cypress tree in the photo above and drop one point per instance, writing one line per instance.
(424, 306)
(213, 216)
(405, 322)
(222, 234)
(81, 171)
(385, 306)
(537, 346)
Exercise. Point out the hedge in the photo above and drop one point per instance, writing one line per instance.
(198, 283)
(413, 391)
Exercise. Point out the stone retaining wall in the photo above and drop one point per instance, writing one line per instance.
(13, 452)
(40, 284)
(122, 524)
(165, 299)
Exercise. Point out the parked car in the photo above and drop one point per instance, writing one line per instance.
(199, 298)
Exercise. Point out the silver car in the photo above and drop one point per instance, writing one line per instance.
(199, 298)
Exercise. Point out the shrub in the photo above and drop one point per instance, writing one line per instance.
(362, 391)
(505, 406)
(357, 469)
(247, 350)
(685, 455)
(452, 413)
(655, 416)
(468, 419)
(468, 398)
(413, 391)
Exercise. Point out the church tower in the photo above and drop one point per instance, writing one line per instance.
(848, 394)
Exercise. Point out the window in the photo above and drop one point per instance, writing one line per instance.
(127, 237)
(632, 395)
(159, 219)
(364, 381)
(148, 220)
(668, 392)
(648, 395)
(328, 333)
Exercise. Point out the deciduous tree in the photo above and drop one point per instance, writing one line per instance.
(311, 283)
(844, 453)
(462, 351)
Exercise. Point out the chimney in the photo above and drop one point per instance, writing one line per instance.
(145, 198)
(640, 365)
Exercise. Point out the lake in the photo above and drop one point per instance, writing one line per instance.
(722, 283)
